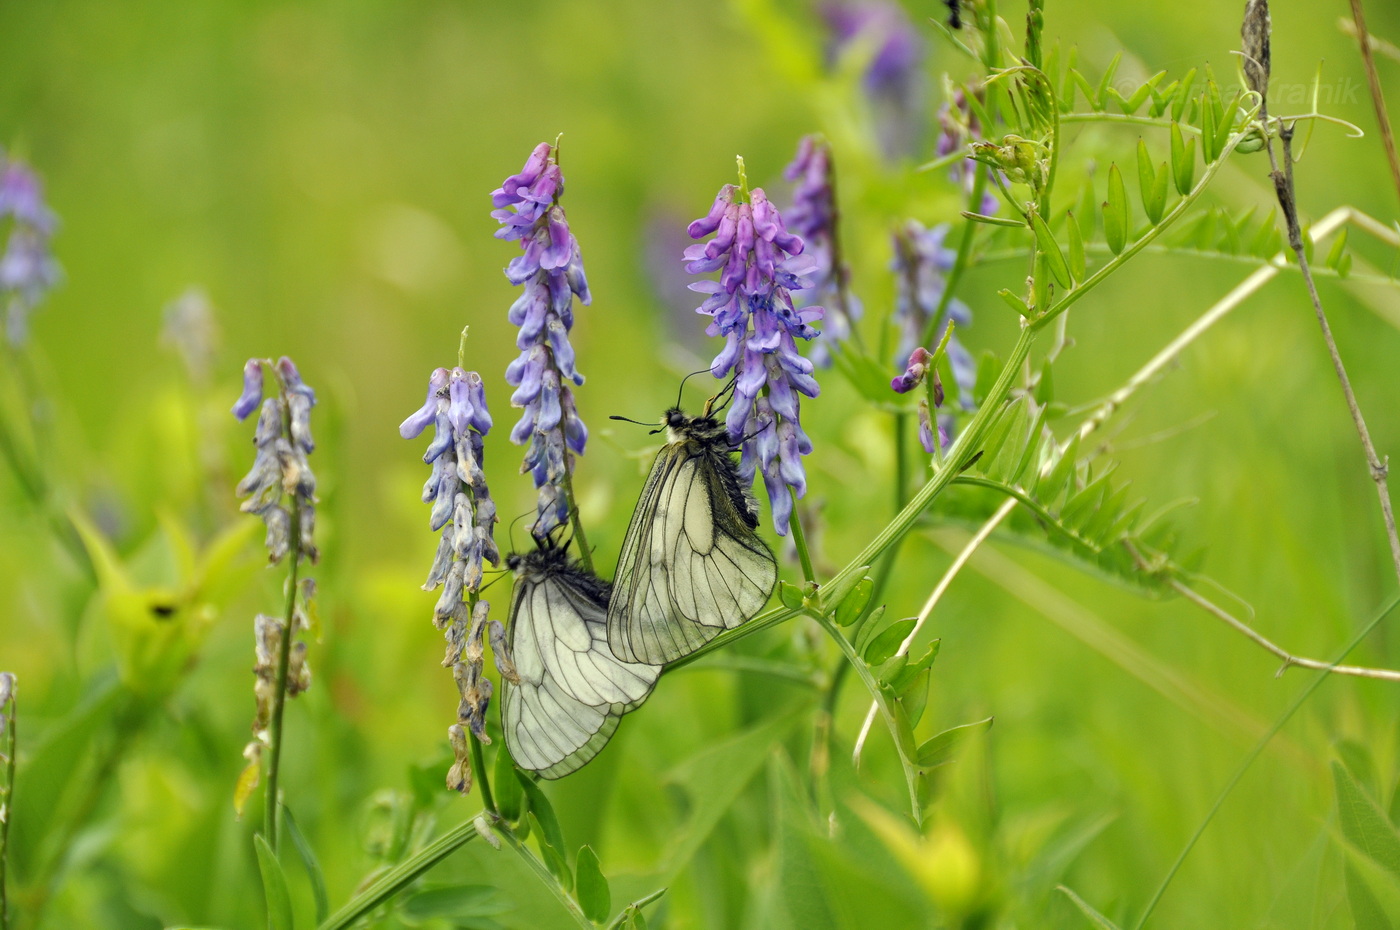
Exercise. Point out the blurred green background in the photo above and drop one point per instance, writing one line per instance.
(322, 171)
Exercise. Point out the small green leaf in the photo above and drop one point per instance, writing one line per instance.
(1183, 161)
(886, 643)
(904, 680)
(1100, 921)
(915, 697)
(1076, 250)
(1183, 95)
(1363, 823)
(550, 836)
(1208, 118)
(1226, 124)
(1115, 212)
(850, 608)
(1101, 96)
(1045, 384)
(1366, 911)
(309, 861)
(938, 750)
(1014, 302)
(279, 900)
(1054, 258)
(993, 220)
(1339, 246)
(594, 896)
(508, 790)
(790, 595)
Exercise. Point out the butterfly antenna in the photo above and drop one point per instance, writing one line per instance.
(680, 390)
(720, 400)
(513, 546)
(630, 420)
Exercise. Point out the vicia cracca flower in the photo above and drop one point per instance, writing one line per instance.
(27, 269)
(920, 262)
(921, 370)
(751, 306)
(551, 271)
(893, 78)
(463, 509)
(813, 219)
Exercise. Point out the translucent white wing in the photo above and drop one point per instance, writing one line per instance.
(691, 565)
(572, 690)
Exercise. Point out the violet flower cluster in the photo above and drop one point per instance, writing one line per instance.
(28, 270)
(920, 262)
(463, 509)
(920, 370)
(813, 219)
(280, 485)
(551, 271)
(894, 78)
(751, 307)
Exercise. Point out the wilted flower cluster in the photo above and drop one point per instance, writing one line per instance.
(919, 370)
(27, 268)
(267, 644)
(813, 219)
(283, 440)
(551, 270)
(958, 127)
(280, 489)
(920, 262)
(751, 305)
(894, 79)
(463, 509)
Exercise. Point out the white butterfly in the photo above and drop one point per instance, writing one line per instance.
(691, 564)
(572, 690)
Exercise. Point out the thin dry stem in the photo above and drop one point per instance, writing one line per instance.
(1284, 188)
(1363, 40)
(1288, 658)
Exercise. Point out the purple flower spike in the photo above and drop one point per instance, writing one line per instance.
(914, 374)
(461, 502)
(27, 268)
(551, 271)
(760, 263)
(251, 397)
(813, 217)
(920, 261)
(894, 77)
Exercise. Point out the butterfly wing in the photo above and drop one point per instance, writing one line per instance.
(572, 690)
(691, 564)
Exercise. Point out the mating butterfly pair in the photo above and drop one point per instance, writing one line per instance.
(588, 652)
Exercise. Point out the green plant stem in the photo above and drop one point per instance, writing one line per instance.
(799, 542)
(547, 878)
(867, 677)
(962, 449)
(478, 761)
(636, 905)
(1254, 754)
(284, 657)
(585, 554)
(9, 806)
(401, 876)
(479, 770)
